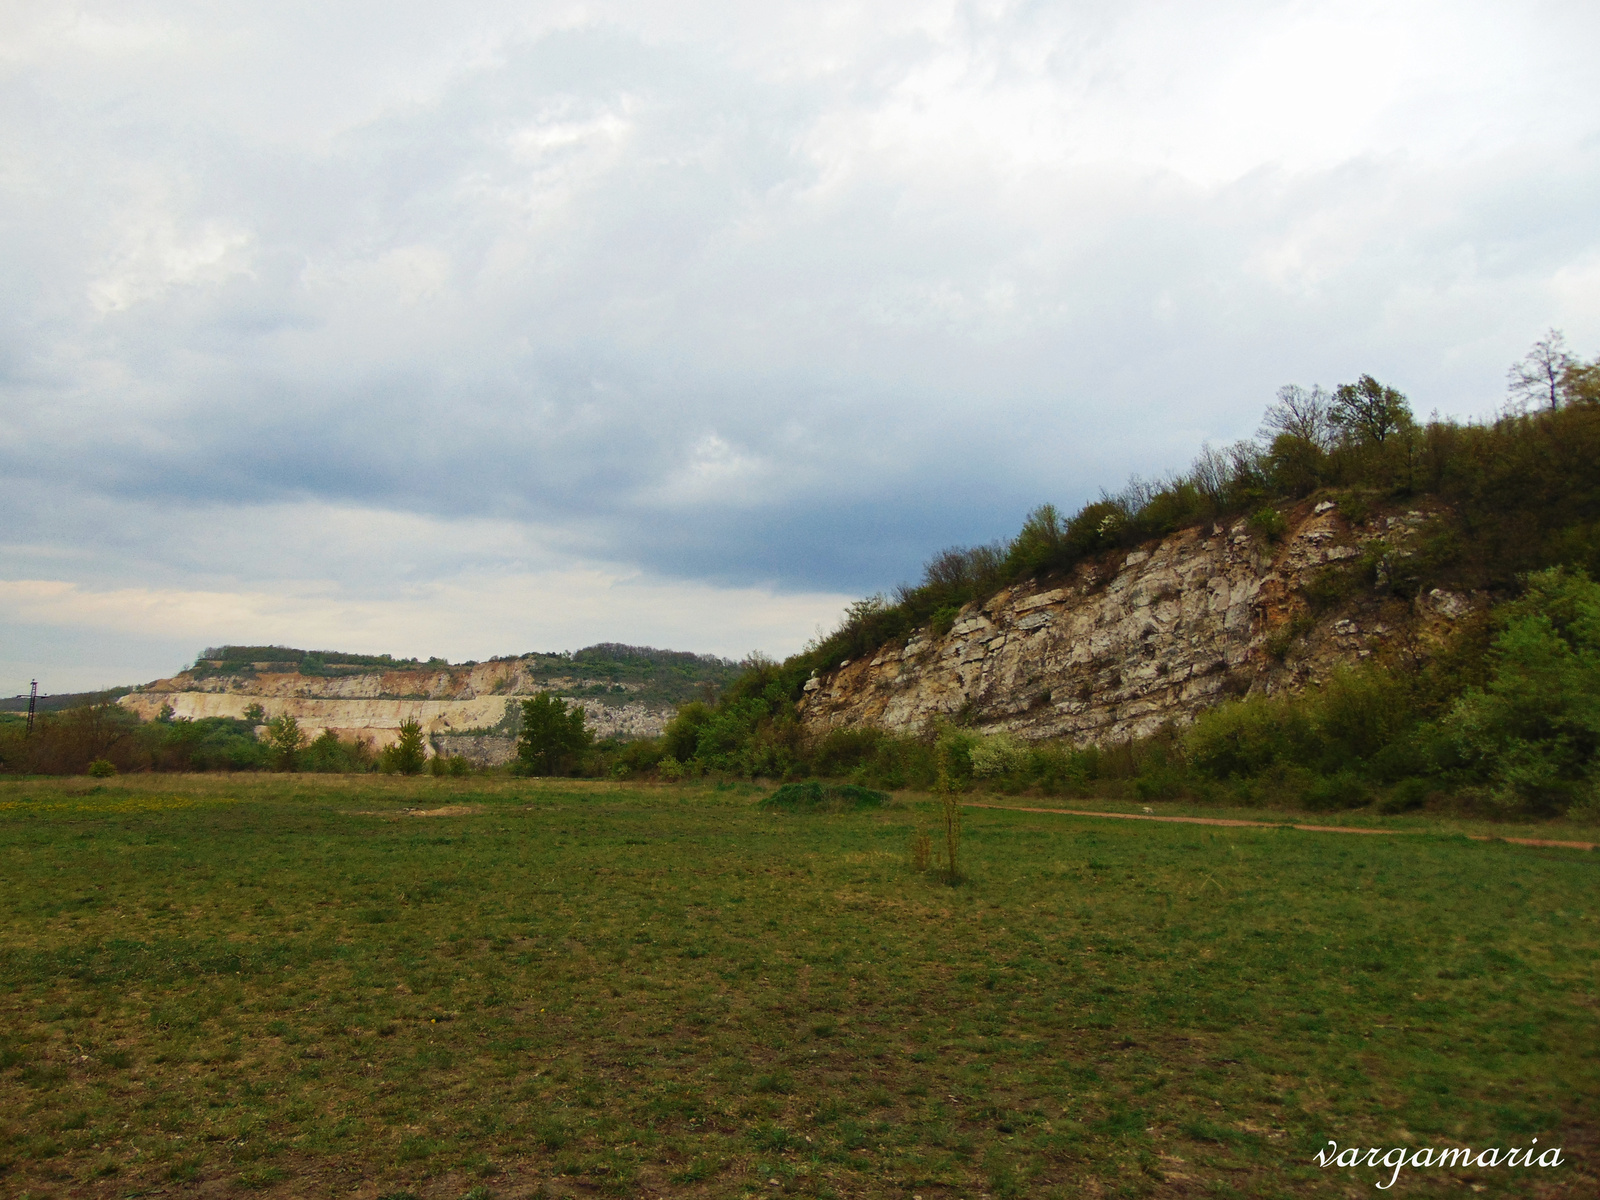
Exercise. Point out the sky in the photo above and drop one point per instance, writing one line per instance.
(482, 328)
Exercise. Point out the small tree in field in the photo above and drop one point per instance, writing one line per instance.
(408, 754)
(286, 740)
(553, 736)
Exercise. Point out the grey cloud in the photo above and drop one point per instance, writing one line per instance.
(673, 305)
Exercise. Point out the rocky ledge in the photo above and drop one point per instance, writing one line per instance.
(1119, 647)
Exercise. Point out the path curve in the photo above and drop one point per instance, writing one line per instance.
(1078, 812)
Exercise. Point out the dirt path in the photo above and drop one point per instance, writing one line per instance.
(1075, 812)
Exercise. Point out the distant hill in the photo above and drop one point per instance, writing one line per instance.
(607, 670)
(65, 700)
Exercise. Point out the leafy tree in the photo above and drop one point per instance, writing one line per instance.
(553, 736)
(285, 740)
(1537, 377)
(255, 715)
(1368, 411)
(1580, 382)
(1533, 732)
(408, 754)
(329, 754)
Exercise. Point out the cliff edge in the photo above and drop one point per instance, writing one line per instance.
(1121, 646)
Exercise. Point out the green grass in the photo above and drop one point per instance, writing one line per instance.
(281, 986)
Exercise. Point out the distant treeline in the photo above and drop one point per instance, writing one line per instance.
(63, 701)
(248, 660)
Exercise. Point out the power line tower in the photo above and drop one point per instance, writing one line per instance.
(33, 702)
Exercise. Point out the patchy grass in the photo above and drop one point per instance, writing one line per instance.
(280, 986)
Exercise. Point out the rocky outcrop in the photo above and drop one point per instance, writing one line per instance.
(1119, 647)
(444, 702)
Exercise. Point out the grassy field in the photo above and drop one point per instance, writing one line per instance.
(294, 985)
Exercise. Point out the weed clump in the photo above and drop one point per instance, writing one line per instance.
(812, 796)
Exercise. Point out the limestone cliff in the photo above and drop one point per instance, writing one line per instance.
(1121, 646)
(446, 702)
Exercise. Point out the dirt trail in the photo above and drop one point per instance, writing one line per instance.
(1075, 812)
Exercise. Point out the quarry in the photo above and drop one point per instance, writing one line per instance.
(1124, 645)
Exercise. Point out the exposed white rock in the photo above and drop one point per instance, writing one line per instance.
(1176, 627)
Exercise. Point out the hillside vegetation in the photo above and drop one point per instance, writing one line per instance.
(1503, 720)
(1506, 718)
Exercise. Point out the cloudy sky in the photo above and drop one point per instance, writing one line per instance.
(478, 328)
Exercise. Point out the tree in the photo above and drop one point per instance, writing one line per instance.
(553, 736)
(1538, 377)
(1534, 730)
(1368, 411)
(408, 754)
(1580, 382)
(285, 740)
(1306, 415)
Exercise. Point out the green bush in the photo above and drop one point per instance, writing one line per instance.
(284, 742)
(1269, 523)
(1343, 789)
(328, 755)
(997, 756)
(824, 797)
(1405, 796)
(1532, 732)
(1248, 736)
(407, 755)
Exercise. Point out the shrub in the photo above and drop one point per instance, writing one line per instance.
(327, 754)
(1344, 789)
(1269, 523)
(1247, 737)
(448, 764)
(1405, 796)
(681, 738)
(408, 754)
(998, 754)
(1329, 587)
(1357, 713)
(1533, 731)
(101, 768)
(840, 751)
(824, 797)
(285, 741)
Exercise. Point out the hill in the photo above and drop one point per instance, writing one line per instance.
(1355, 607)
(628, 691)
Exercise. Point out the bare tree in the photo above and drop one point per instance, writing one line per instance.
(1540, 374)
(1300, 413)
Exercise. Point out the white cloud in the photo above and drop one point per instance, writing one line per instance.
(766, 300)
(463, 618)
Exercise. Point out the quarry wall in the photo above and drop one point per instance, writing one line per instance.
(446, 703)
(1118, 647)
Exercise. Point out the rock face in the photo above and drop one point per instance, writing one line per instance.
(372, 706)
(1120, 647)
